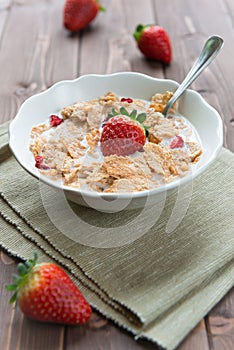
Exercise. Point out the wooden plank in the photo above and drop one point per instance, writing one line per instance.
(221, 324)
(190, 23)
(42, 57)
(5, 6)
(229, 9)
(108, 45)
(102, 334)
(140, 12)
(7, 267)
(35, 335)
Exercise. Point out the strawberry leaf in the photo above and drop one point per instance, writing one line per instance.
(13, 298)
(102, 9)
(114, 112)
(20, 279)
(11, 287)
(22, 269)
(141, 117)
(16, 279)
(124, 111)
(133, 114)
(138, 32)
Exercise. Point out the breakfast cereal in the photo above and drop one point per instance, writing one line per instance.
(67, 145)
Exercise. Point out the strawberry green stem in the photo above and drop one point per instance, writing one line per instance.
(101, 8)
(140, 118)
(138, 32)
(21, 279)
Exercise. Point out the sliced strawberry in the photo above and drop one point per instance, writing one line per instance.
(177, 142)
(45, 293)
(55, 120)
(154, 42)
(126, 99)
(39, 163)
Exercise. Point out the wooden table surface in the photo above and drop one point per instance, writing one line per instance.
(36, 51)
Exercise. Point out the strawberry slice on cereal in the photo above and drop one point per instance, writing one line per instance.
(39, 163)
(177, 142)
(55, 120)
(123, 133)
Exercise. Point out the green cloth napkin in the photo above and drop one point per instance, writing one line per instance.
(156, 277)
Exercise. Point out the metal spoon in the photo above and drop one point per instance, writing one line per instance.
(211, 48)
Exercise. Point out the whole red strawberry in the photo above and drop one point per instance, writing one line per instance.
(45, 293)
(78, 14)
(154, 42)
(123, 133)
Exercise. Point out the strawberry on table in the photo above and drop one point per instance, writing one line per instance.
(123, 133)
(154, 42)
(45, 293)
(78, 14)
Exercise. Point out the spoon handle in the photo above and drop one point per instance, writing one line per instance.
(208, 53)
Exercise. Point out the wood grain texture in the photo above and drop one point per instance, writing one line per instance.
(4, 10)
(221, 324)
(189, 25)
(108, 46)
(100, 334)
(36, 51)
(32, 64)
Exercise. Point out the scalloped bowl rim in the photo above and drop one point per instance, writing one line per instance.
(126, 195)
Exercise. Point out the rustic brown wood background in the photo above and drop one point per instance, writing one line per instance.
(36, 51)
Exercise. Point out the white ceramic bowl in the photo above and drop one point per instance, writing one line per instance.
(35, 110)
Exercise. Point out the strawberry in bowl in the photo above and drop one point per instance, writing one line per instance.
(123, 134)
(71, 156)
